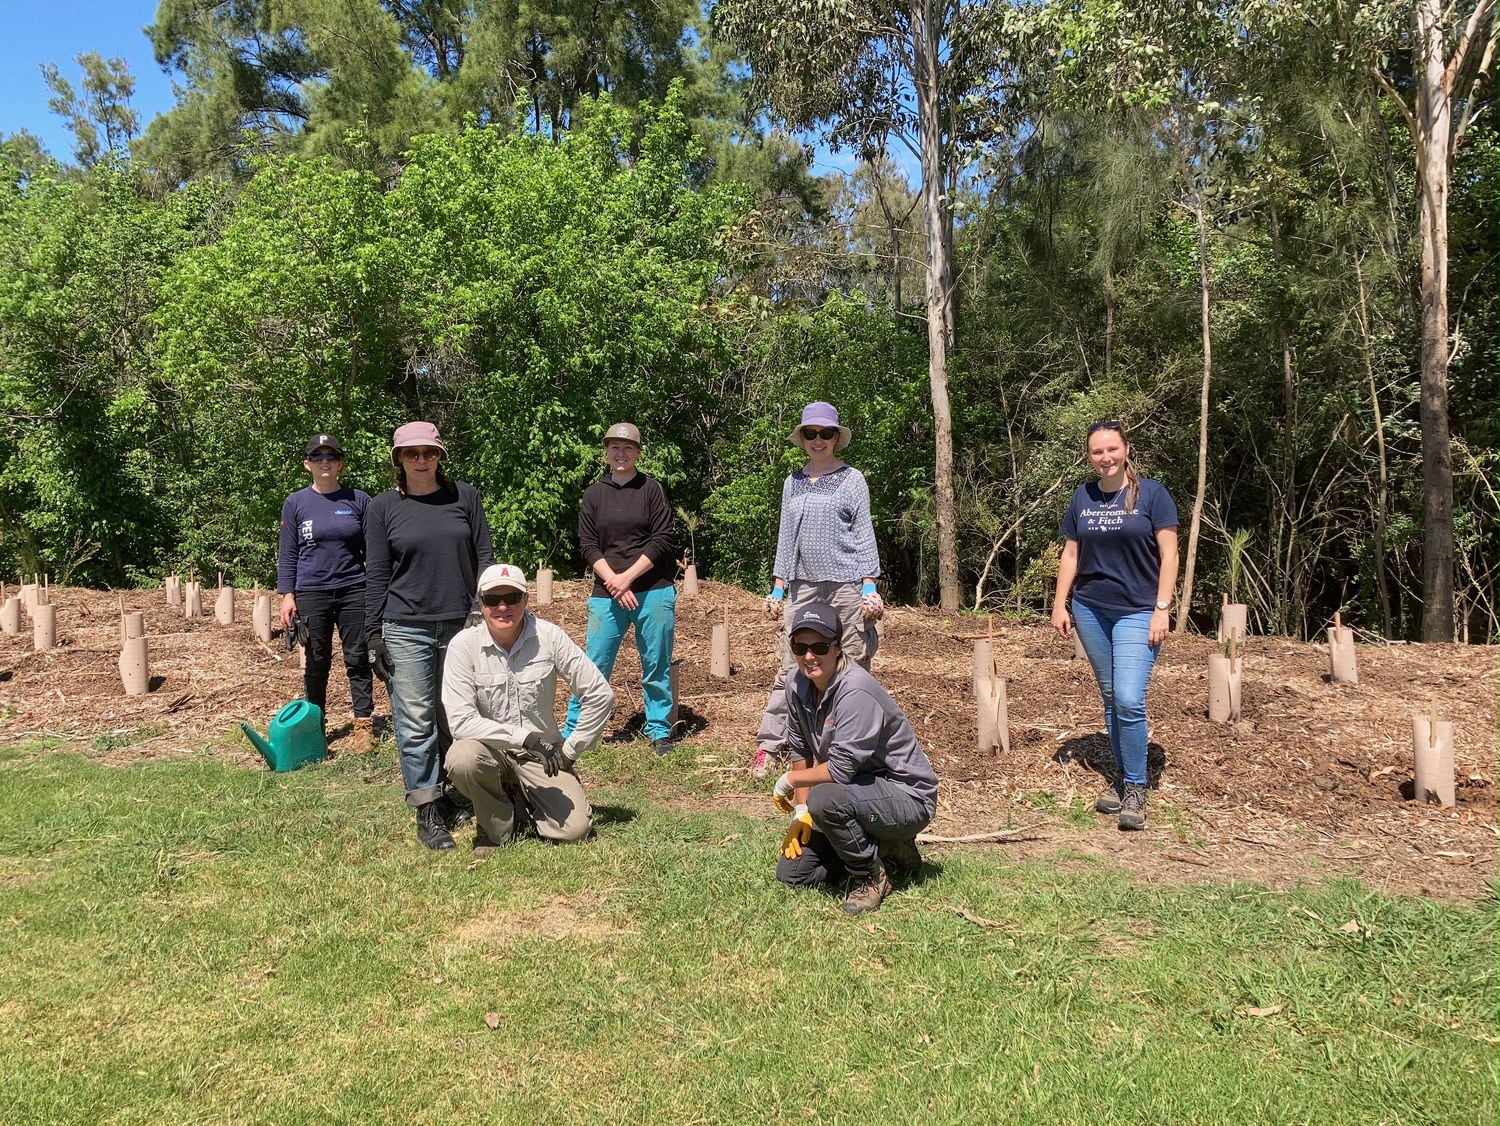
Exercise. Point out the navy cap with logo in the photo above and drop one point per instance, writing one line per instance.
(818, 617)
(323, 442)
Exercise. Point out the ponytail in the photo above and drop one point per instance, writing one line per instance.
(1132, 486)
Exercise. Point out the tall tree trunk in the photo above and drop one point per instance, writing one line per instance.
(1382, 494)
(1185, 601)
(926, 27)
(1433, 124)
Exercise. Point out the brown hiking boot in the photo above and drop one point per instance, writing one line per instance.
(362, 737)
(901, 859)
(1133, 807)
(867, 892)
(1109, 800)
(483, 846)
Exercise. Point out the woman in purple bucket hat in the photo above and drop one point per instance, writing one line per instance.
(825, 552)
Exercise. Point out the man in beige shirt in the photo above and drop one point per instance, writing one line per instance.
(499, 688)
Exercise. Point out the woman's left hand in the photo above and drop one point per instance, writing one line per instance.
(1161, 625)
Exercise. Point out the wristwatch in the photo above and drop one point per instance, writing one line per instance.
(1160, 605)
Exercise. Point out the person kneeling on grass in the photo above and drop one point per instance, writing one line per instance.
(499, 684)
(860, 788)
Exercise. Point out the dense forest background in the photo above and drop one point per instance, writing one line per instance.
(526, 221)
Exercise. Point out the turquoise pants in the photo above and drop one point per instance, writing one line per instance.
(655, 621)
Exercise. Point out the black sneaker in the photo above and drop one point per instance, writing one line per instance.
(901, 859)
(430, 829)
(455, 809)
(1133, 807)
(663, 746)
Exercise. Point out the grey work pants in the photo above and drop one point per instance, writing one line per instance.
(849, 822)
(859, 643)
(482, 774)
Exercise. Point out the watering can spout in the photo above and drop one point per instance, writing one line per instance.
(265, 749)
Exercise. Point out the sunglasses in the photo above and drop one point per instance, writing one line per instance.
(824, 432)
(507, 598)
(419, 455)
(325, 457)
(1107, 424)
(817, 648)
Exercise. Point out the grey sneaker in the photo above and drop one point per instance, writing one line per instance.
(1133, 807)
(867, 892)
(663, 747)
(1109, 801)
(901, 859)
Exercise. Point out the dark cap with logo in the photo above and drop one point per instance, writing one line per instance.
(323, 442)
(818, 617)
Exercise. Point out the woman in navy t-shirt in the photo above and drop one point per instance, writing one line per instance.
(1120, 565)
(320, 573)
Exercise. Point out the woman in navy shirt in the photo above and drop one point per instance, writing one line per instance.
(320, 574)
(1120, 565)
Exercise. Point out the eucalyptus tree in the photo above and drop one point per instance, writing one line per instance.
(1435, 62)
(869, 74)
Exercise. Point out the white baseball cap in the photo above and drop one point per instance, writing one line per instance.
(498, 575)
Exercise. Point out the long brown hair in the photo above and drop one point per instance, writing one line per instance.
(443, 483)
(1132, 478)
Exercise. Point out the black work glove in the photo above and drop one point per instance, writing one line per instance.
(380, 658)
(536, 747)
(295, 633)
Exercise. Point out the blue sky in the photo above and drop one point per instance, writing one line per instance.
(57, 31)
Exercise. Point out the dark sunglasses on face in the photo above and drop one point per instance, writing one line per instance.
(826, 433)
(818, 648)
(1107, 424)
(325, 457)
(507, 598)
(414, 455)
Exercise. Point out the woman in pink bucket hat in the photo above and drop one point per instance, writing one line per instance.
(825, 552)
(426, 540)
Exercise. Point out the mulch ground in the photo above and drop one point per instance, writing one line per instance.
(1315, 780)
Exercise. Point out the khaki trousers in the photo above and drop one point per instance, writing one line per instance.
(859, 643)
(558, 805)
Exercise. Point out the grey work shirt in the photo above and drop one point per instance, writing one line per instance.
(856, 728)
(498, 697)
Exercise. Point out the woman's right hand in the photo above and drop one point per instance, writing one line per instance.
(1060, 620)
(288, 608)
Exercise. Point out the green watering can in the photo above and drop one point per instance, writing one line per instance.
(295, 737)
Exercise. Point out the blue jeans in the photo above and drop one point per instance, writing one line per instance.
(417, 650)
(1118, 647)
(655, 621)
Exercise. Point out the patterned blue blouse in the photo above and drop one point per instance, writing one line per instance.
(826, 534)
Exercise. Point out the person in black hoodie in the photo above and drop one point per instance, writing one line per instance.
(625, 534)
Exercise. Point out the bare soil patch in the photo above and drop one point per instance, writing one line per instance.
(1314, 781)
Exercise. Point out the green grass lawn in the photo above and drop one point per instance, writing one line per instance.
(193, 941)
